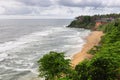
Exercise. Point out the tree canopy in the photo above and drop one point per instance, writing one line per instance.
(53, 66)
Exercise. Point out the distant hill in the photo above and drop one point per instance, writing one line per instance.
(89, 22)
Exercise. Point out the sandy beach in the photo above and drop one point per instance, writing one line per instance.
(92, 40)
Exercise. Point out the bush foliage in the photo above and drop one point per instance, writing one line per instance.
(53, 66)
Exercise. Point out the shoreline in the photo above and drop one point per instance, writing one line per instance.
(91, 40)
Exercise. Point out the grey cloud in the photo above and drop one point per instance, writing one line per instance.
(57, 7)
(41, 3)
(90, 3)
(15, 11)
(24, 7)
(82, 3)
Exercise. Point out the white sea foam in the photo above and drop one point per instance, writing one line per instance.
(2, 56)
(33, 70)
(0, 77)
(20, 43)
(23, 40)
(20, 50)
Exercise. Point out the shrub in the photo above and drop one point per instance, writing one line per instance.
(53, 66)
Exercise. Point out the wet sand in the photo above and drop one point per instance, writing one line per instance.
(92, 40)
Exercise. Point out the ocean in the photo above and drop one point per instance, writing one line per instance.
(24, 41)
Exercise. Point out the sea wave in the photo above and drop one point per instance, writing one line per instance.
(23, 53)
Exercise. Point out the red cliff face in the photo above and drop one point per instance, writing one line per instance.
(98, 23)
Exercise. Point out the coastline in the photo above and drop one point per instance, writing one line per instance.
(92, 40)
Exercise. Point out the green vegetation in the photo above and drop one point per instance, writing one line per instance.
(85, 22)
(53, 66)
(81, 71)
(109, 51)
(99, 68)
(88, 22)
(105, 65)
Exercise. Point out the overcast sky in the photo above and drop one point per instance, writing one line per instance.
(56, 8)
